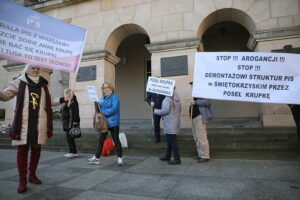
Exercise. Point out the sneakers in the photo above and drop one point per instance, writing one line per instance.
(71, 155)
(120, 161)
(94, 160)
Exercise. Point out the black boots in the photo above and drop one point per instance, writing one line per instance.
(174, 162)
(164, 159)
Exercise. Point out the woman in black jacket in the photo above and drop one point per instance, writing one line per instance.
(70, 118)
(296, 114)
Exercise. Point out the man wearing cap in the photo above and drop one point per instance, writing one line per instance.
(200, 114)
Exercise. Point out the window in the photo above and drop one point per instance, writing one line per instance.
(147, 74)
(148, 69)
(2, 114)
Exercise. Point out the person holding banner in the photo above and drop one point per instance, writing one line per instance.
(155, 101)
(296, 115)
(170, 112)
(70, 118)
(32, 122)
(110, 106)
(200, 114)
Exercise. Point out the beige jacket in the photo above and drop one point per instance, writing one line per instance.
(10, 92)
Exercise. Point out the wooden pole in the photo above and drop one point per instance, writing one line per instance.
(72, 88)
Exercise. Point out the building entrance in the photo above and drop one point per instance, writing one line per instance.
(131, 77)
(233, 37)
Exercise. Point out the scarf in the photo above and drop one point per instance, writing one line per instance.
(17, 122)
(34, 79)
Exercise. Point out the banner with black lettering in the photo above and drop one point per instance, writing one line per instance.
(31, 37)
(247, 76)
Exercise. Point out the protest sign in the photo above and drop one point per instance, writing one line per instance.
(160, 86)
(92, 93)
(31, 37)
(247, 76)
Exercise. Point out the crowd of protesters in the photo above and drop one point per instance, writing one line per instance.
(33, 124)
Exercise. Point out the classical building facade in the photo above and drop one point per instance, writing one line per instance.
(128, 40)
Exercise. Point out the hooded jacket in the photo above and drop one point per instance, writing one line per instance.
(170, 112)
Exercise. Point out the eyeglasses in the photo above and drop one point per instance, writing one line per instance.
(104, 88)
(35, 68)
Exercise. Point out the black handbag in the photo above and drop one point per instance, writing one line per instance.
(75, 132)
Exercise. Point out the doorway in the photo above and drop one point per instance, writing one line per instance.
(131, 77)
(229, 36)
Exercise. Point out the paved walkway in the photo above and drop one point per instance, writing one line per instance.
(147, 178)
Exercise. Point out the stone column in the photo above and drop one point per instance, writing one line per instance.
(267, 41)
(186, 47)
(105, 72)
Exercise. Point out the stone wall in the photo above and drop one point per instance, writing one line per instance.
(168, 22)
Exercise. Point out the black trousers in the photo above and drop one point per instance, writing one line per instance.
(114, 131)
(156, 124)
(172, 146)
(296, 114)
(71, 143)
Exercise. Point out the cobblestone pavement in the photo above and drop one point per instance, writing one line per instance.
(148, 178)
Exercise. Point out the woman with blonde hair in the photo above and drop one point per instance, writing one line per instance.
(110, 106)
(32, 121)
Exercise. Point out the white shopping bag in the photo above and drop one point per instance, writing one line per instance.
(123, 140)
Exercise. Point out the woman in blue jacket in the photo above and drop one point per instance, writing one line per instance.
(110, 106)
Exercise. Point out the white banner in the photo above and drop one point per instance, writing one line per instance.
(160, 86)
(247, 76)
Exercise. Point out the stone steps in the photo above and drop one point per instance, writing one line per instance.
(225, 122)
(250, 143)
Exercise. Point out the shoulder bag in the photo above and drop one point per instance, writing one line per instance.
(100, 122)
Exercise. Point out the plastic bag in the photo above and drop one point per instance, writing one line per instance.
(108, 146)
(123, 140)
